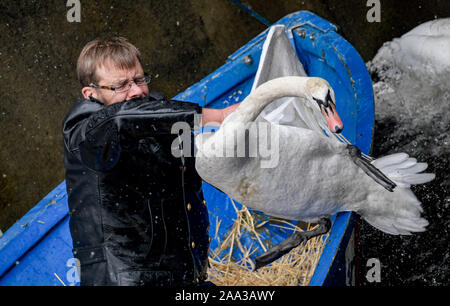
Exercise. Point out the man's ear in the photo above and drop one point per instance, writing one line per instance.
(88, 91)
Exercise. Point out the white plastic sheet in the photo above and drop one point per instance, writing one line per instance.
(279, 59)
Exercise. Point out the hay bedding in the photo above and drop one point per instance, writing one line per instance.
(293, 269)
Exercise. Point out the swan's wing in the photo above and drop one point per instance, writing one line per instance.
(278, 59)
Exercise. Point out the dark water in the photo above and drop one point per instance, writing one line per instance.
(420, 259)
(411, 114)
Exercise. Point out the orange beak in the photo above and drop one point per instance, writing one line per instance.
(334, 122)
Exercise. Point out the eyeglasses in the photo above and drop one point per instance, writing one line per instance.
(141, 81)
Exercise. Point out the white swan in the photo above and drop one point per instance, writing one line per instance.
(316, 176)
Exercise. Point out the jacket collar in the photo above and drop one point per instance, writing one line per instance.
(153, 95)
(92, 99)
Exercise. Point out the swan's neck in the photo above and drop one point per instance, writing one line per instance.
(253, 105)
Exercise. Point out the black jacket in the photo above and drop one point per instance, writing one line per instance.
(137, 215)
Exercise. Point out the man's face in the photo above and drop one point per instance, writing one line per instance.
(109, 75)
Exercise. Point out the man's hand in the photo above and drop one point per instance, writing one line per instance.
(216, 116)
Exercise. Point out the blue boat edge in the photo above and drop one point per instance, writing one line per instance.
(53, 209)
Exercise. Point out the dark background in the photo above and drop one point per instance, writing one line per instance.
(181, 42)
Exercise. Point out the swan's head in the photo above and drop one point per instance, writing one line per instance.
(323, 95)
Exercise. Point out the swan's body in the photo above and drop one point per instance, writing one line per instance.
(316, 172)
(315, 176)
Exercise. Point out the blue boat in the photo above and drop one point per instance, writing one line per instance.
(37, 249)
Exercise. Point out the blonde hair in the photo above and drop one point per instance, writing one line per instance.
(116, 51)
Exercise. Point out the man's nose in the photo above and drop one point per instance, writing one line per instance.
(135, 91)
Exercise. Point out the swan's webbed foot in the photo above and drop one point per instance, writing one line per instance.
(370, 169)
(293, 241)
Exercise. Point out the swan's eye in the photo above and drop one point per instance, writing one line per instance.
(328, 98)
(321, 102)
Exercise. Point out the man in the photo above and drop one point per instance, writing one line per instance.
(137, 212)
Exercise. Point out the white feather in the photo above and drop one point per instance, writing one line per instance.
(408, 163)
(388, 160)
(403, 170)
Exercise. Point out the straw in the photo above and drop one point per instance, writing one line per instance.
(293, 269)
